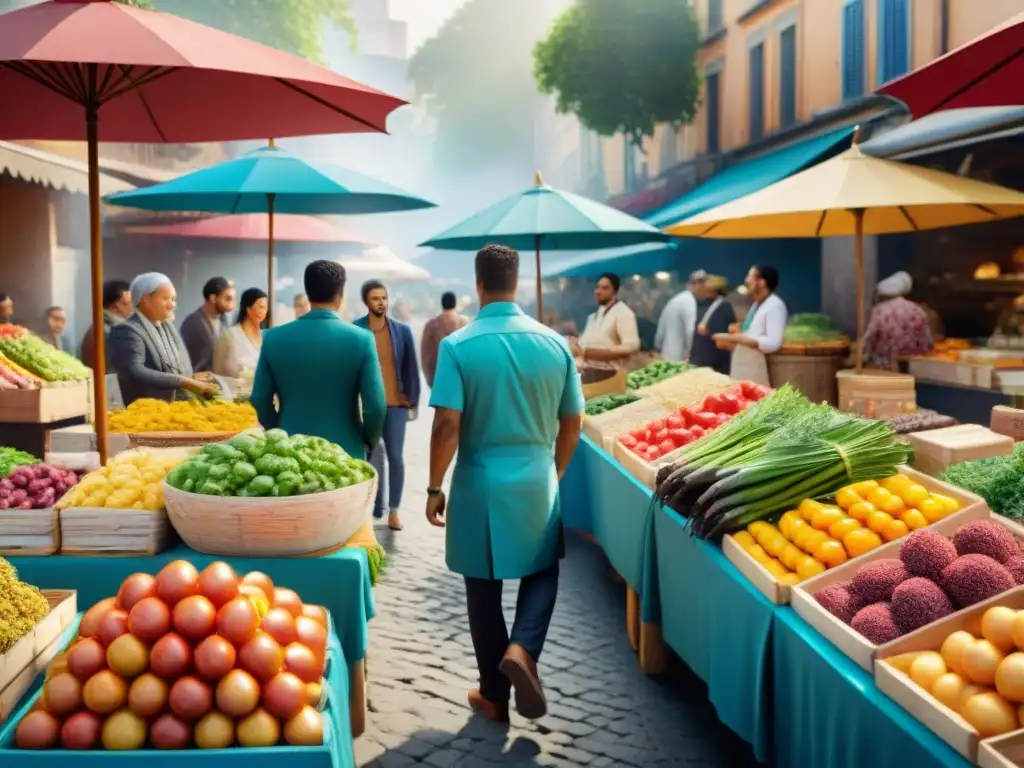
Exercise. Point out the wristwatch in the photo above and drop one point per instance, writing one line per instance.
(434, 491)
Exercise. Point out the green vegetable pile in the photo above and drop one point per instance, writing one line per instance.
(657, 371)
(998, 480)
(32, 353)
(257, 464)
(605, 403)
(810, 328)
(378, 559)
(11, 458)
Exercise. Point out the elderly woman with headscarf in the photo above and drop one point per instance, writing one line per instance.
(898, 327)
(146, 350)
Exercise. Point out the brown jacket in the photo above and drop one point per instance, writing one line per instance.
(435, 330)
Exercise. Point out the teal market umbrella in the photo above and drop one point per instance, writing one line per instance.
(543, 218)
(270, 180)
(638, 259)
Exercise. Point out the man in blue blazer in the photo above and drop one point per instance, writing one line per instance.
(321, 369)
(396, 352)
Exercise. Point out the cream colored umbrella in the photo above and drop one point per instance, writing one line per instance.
(855, 194)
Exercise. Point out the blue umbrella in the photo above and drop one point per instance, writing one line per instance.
(638, 259)
(270, 180)
(546, 218)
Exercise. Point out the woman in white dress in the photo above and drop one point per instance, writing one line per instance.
(238, 349)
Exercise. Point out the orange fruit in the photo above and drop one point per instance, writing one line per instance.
(951, 504)
(808, 507)
(860, 541)
(914, 519)
(861, 510)
(839, 529)
(825, 517)
(932, 510)
(814, 540)
(878, 521)
(897, 529)
(879, 496)
(847, 497)
(894, 483)
(893, 505)
(808, 567)
(864, 487)
(831, 553)
(913, 494)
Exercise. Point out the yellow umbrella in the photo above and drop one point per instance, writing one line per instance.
(856, 194)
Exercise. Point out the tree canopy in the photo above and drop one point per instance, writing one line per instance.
(474, 78)
(622, 67)
(293, 26)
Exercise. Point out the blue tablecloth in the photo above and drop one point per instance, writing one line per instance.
(619, 516)
(720, 626)
(829, 712)
(336, 751)
(339, 581)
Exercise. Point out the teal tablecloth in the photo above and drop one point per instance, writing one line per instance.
(336, 751)
(339, 581)
(720, 626)
(574, 491)
(829, 712)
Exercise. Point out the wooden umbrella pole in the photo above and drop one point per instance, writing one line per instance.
(540, 288)
(858, 245)
(270, 261)
(99, 340)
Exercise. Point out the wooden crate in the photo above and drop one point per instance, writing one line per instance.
(1006, 751)
(44, 405)
(25, 532)
(605, 428)
(774, 591)
(114, 532)
(850, 642)
(877, 395)
(18, 667)
(936, 449)
(612, 385)
(947, 724)
(644, 471)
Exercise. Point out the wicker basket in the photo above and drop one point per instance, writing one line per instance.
(294, 526)
(176, 439)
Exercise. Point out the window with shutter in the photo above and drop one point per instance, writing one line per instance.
(715, 16)
(893, 39)
(711, 109)
(787, 77)
(853, 50)
(756, 92)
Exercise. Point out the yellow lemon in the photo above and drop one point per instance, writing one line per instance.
(744, 539)
(847, 497)
(840, 528)
(914, 519)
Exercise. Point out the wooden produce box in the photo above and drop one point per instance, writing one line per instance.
(114, 532)
(850, 642)
(937, 449)
(44, 405)
(605, 428)
(81, 438)
(20, 665)
(1006, 751)
(781, 594)
(1008, 421)
(687, 388)
(644, 471)
(615, 384)
(877, 395)
(25, 532)
(947, 724)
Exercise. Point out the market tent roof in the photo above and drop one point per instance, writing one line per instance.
(743, 178)
(458, 266)
(947, 130)
(643, 260)
(49, 170)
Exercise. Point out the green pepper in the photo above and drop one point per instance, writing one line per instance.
(261, 485)
(244, 471)
(288, 483)
(219, 472)
(211, 488)
(222, 451)
(189, 485)
(275, 435)
(310, 487)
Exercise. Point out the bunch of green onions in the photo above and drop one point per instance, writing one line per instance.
(771, 457)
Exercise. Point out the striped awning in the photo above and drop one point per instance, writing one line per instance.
(54, 171)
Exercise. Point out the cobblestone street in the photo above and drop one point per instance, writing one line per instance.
(603, 710)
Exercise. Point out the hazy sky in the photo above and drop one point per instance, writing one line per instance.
(423, 16)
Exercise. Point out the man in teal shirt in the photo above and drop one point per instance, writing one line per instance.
(508, 397)
(320, 368)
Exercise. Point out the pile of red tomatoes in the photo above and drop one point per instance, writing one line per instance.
(187, 659)
(662, 436)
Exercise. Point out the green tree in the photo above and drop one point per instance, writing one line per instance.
(293, 26)
(622, 67)
(474, 79)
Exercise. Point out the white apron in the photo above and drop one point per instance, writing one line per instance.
(749, 364)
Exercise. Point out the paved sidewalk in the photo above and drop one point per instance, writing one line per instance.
(603, 710)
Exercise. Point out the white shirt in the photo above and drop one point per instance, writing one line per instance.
(769, 324)
(614, 328)
(676, 325)
(235, 354)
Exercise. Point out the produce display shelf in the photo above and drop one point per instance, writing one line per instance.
(115, 532)
(29, 532)
(44, 405)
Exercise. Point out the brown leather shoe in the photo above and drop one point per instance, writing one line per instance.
(492, 710)
(519, 667)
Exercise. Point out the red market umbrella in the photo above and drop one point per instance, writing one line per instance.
(291, 228)
(95, 70)
(985, 72)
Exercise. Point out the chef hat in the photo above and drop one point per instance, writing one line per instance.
(898, 284)
(147, 283)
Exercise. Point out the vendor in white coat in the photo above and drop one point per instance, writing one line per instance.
(678, 321)
(762, 330)
(611, 336)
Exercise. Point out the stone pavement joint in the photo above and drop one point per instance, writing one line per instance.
(603, 711)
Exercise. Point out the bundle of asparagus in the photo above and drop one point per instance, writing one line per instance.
(771, 457)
